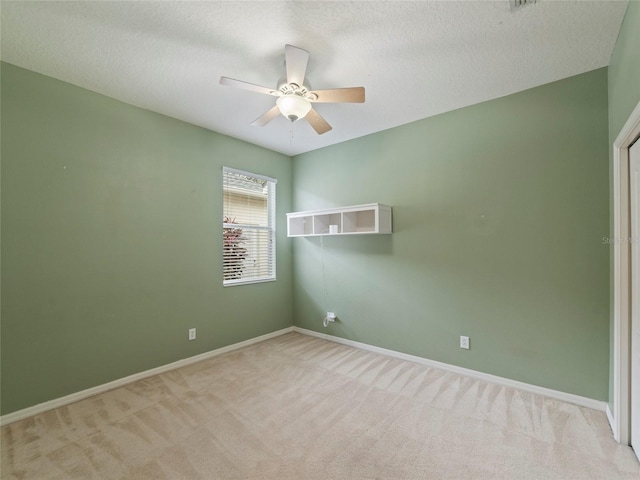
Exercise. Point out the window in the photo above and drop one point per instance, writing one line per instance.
(249, 240)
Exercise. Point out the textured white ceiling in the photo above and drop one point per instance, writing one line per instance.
(415, 58)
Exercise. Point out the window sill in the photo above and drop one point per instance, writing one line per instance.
(235, 283)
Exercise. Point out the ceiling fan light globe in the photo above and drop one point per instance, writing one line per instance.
(293, 107)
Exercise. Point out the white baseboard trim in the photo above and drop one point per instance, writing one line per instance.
(74, 397)
(81, 395)
(612, 422)
(527, 387)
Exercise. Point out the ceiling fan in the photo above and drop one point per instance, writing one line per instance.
(294, 98)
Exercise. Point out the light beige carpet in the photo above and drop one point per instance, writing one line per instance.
(296, 407)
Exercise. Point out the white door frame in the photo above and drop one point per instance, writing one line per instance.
(620, 423)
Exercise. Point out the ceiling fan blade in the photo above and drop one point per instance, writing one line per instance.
(340, 95)
(296, 60)
(266, 118)
(248, 86)
(318, 123)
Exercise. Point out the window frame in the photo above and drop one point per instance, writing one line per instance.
(270, 227)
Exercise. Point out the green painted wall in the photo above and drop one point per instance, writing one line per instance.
(624, 95)
(110, 227)
(499, 211)
(111, 240)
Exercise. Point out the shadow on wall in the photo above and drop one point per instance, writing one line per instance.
(311, 305)
(315, 313)
(358, 244)
(480, 217)
(405, 219)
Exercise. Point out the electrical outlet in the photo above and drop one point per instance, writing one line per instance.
(331, 315)
(192, 334)
(464, 342)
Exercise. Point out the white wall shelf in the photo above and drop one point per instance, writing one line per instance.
(372, 218)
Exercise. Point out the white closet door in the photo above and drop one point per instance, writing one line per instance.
(634, 177)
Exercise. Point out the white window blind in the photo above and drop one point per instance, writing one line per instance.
(249, 205)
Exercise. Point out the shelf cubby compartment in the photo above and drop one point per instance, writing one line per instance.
(372, 218)
(299, 226)
(360, 221)
(321, 223)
